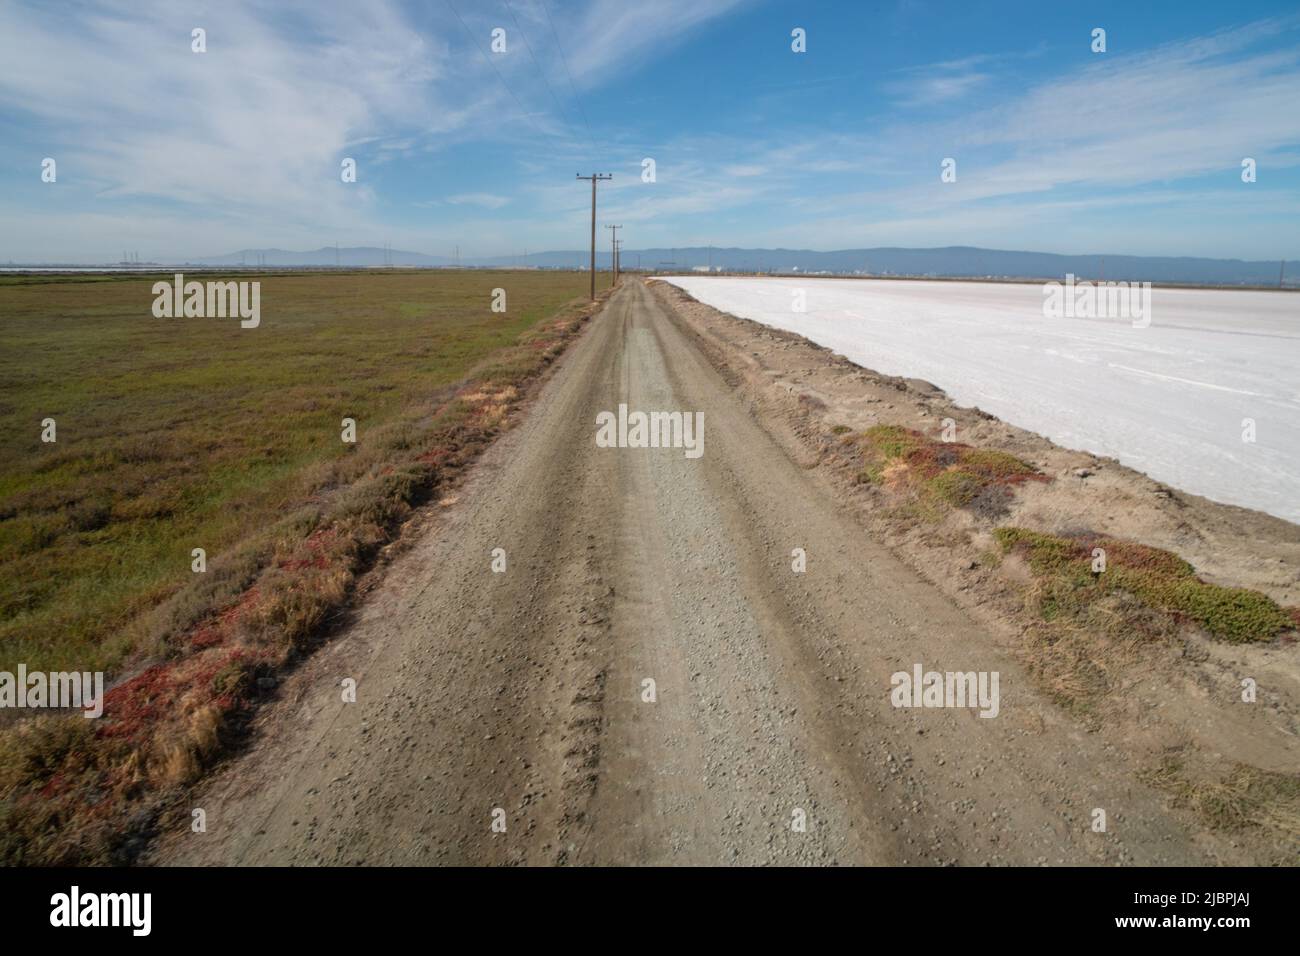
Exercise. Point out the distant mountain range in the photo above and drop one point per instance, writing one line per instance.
(950, 261)
(353, 256)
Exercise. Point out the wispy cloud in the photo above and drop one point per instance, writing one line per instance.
(610, 34)
(164, 149)
(258, 125)
(485, 200)
(942, 83)
(253, 131)
(1171, 115)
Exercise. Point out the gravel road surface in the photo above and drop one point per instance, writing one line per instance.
(519, 698)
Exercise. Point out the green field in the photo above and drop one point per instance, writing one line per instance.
(180, 433)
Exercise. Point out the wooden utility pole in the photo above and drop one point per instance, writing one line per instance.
(595, 178)
(613, 250)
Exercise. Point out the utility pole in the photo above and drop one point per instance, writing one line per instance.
(613, 250)
(595, 178)
(618, 259)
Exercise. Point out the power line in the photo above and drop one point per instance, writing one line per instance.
(527, 115)
(540, 72)
(572, 88)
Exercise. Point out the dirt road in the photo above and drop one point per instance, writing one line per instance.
(524, 691)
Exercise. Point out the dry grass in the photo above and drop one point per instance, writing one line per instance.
(1244, 797)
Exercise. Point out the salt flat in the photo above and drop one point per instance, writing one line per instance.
(1168, 399)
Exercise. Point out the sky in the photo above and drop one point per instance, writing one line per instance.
(173, 153)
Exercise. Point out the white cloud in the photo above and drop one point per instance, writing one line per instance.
(253, 131)
(486, 200)
(618, 35)
(1164, 116)
(261, 118)
(745, 170)
(241, 146)
(921, 90)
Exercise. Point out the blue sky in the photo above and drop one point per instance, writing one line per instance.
(172, 153)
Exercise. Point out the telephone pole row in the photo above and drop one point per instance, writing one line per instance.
(613, 250)
(595, 178)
